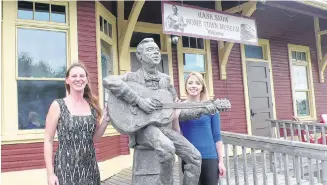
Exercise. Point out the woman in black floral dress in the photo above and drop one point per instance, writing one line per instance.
(77, 120)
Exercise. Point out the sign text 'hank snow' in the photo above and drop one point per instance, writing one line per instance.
(208, 24)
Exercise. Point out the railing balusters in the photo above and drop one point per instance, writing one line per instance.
(292, 131)
(299, 132)
(278, 137)
(316, 141)
(324, 171)
(237, 177)
(310, 171)
(324, 163)
(282, 147)
(264, 167)
(292, 139)
(285, 130)
(297, 170)
(278, 130)
(272, 124)
(227, 164)
(254, 163)
(299, 135)
(307, 133)
(314, 134)
(286, 170)
(275, 172)
(323, 135)
(245, 167)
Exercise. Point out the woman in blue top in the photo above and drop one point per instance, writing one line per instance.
(203, 133)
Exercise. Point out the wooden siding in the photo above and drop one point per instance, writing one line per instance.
(87, 50)
(289, 28)
(17, 157)
(232, 88)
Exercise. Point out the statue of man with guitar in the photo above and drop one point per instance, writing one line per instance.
(141, 104)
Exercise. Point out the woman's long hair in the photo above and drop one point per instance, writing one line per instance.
(88, 95)
(204, 95)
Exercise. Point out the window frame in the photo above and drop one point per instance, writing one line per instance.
(106, 14)
(311, 92)
(208, 66)
(165, 42)
(10, 131)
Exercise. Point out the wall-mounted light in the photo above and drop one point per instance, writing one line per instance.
(174, 39)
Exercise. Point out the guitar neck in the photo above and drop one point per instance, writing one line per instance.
(187, 105)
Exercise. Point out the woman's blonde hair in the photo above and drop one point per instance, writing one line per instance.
(204, 95)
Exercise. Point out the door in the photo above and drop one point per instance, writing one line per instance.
(260, 96)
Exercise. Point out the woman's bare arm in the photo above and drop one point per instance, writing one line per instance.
(50, 130)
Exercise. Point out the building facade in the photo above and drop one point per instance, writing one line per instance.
(280, 78)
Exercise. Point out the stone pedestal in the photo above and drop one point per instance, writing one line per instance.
(146, 166)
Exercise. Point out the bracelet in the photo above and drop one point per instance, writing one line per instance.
(103, 119)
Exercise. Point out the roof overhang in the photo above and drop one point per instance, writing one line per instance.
(321, 4)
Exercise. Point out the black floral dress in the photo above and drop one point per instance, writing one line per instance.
(75, 161)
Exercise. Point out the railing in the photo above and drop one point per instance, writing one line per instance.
(244, 167)
(309, 132)
(306, 131)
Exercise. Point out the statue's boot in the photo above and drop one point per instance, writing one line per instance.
(191, 174)
(167, 172)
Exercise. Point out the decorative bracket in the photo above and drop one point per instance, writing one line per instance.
(322, 67)
(127, 31)
(225, 48)
(321, 61)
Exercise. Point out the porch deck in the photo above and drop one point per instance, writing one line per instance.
(262, 160)
(125, 176)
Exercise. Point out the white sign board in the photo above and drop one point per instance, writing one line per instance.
(209, 24)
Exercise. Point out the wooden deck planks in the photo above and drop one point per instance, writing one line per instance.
(125, 176)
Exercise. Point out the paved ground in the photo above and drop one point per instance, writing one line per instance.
(125, 177)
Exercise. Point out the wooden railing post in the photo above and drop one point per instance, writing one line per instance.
(245, 166)
(237, 177)
(227, 164)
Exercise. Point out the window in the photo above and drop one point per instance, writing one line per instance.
(194, 55)
(39, 44)
(254, 52)
(106, 64)
(302, 82)
(41, 11)
(106, 48)
(42, 64)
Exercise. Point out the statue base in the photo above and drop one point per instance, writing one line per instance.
(146, 166)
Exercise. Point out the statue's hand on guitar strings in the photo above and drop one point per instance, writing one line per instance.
(211, 108)
(148, 105)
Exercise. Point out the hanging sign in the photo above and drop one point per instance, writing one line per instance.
(208, 24)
